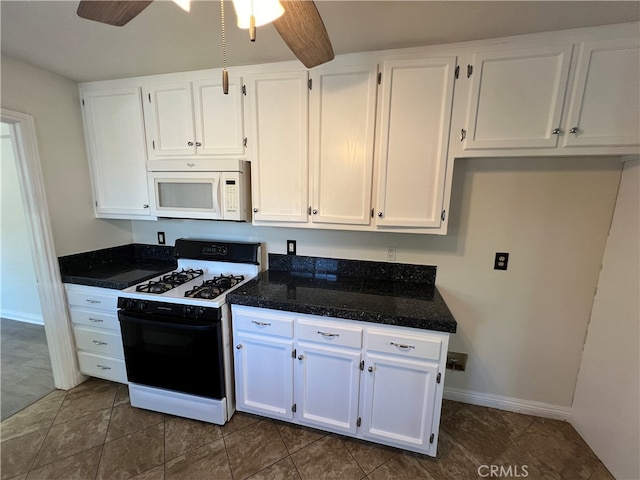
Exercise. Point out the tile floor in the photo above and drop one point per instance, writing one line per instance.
(92, 432)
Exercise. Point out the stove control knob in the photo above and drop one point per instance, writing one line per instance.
(142, 306)
(187, 311)
(199, 313)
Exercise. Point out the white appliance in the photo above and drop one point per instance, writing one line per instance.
(176, 331)
(220, 194)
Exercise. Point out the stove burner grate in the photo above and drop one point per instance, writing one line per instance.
(169, 281)
(210, 289)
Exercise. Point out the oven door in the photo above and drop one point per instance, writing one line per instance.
(173, 353)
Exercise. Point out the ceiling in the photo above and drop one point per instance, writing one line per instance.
(164, 38)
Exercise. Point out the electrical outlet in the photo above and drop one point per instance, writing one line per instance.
(161, 239)
(457, 361)
(501, 261)
(291, 247)
(391, 254)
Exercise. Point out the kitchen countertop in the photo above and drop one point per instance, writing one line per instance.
(117, 267)
(389, 293)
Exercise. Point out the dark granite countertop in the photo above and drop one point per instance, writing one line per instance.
(117, 267)
(389, 293)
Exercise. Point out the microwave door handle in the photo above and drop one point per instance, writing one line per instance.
(217, 193)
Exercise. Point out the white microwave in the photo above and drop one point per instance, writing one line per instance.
(210, 195)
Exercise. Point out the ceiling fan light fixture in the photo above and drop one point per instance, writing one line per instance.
(264, 11)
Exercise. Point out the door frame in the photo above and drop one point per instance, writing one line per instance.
(57, 326)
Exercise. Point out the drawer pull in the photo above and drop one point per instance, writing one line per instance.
(102, 367)
(97, 342)
(328, 335)
(96, 320)
(400, 345)
(261, 324)
(93, 301)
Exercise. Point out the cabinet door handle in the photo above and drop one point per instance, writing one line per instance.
(400, 345)
(300, 357)
(145, 206)
(370, 369)
(239, 346)
(189, 144)
(574, 130)
(102, 367)
(261, 324)
(95, 320)
(198, 144)
(556, 131)
(328, 335)
(380, 214)
(97, 342)
(255, 210)
(314, 211)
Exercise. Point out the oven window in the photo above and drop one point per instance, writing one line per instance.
(179, 357)
(190, 194)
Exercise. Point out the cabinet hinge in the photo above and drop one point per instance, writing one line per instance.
(149, 97)
(463, 134)
(443, 215)
(293, 354)
(362, 365)
(469, 70)
(372, 213)
(359, 422)
(293, 408)
(457, 72)
(379, 78)
(244, 142)
(438, 377)
(308, 210)
(83, 102)
(244, 90)
(153, 144)
(310, 83)
(96, 203)
(431, 438)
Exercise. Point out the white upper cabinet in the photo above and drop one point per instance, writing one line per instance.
(605, 104)
(516, 98)
(415, 118)
(278, 109)
(114, 133)
(193, 120)
(341, 126)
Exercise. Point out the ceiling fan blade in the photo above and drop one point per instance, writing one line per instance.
(117, 13)
(303, 31)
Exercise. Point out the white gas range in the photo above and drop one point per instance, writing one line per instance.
(176, 331)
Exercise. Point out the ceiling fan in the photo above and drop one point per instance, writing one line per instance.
(300, 26)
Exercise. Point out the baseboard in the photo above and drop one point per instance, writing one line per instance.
(22, 317)
(509, 404)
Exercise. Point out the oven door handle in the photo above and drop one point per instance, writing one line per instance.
(142, 319)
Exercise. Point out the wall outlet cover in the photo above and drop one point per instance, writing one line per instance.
(291, 247)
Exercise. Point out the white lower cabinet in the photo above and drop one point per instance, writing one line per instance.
(375, 382)
(96, 331)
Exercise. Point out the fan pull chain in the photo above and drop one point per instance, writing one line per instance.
(252, 25)
(225, 74)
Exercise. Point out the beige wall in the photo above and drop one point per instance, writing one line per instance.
(54, 103)
(606, 406)
(523, 328)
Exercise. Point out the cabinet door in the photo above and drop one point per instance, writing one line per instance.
(342, 119)
(516, 98)
(169, 121)
(264, 375)
(398, 401)
(327, 382)
(278, 105)
(415, 121)
(218, 117)
(115, 141)
(604, 109)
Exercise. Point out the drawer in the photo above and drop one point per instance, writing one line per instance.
(264, 322)
(417, 346)
(97, 298)
(102, 367)
(95, 318)
(99, 341)
(328, 333)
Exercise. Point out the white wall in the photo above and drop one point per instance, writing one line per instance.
(606, 407)
(523, 328)
(54, 103)
(17, 275)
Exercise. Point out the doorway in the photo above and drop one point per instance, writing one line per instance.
(50, 290)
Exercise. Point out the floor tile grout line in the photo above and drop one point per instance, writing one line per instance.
(275, 423)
